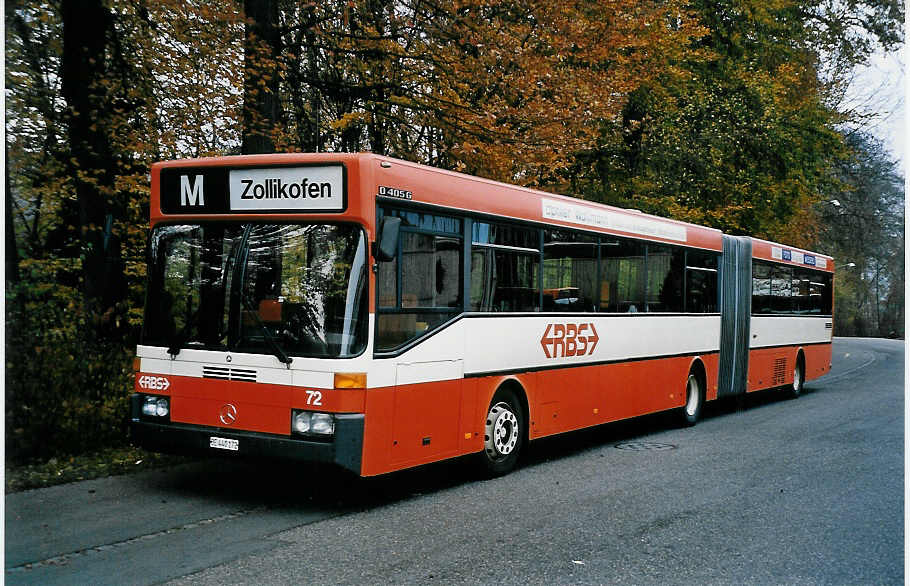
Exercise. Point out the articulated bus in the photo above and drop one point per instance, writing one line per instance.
(378, 314)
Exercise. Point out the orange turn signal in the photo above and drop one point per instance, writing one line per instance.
(137, 364)
(350, 380)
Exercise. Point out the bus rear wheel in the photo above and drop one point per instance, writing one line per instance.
(799, 377)
(504, 433)
(695, 400)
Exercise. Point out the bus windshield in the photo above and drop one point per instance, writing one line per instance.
(281, 289)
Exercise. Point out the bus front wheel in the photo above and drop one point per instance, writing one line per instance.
(504, 433)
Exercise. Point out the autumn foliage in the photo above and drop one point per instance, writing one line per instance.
(720, 112)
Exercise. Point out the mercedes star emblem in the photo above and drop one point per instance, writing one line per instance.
(228, 414)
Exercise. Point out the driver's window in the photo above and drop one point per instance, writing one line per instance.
(421, 288)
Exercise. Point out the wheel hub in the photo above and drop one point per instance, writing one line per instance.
(501, 431)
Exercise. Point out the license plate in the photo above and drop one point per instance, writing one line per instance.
(222, 443)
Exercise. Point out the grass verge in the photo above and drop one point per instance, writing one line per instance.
(109, 462)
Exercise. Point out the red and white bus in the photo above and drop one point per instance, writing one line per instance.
(379, 314)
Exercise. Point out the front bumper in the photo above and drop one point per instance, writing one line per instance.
(345, 450)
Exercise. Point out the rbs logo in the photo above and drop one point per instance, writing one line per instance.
(566, 340)
(153, 383)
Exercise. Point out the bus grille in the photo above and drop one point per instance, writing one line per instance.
(229, 373)
(780, 371)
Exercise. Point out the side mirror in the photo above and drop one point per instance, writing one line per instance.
(387, 246)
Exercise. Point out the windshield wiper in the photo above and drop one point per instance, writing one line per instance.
(277, 350)
(177, 344)
(180, 338)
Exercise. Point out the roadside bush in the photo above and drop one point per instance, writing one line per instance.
(66, 392)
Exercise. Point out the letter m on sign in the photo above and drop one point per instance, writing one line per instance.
(191, 195)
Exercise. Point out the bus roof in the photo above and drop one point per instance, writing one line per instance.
(497, 200)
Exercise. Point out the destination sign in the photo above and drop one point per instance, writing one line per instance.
(219, 190)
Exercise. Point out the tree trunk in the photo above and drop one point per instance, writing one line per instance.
(87, 28)
(12, 251)
(261, 51)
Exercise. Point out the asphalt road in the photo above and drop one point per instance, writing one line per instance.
(764, 491)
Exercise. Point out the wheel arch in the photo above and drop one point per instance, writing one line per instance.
(800, 360)
(801, 357)
(502, 446)
(513, 384)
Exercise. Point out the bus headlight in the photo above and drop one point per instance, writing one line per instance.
(300, 422)
(310, 423)
(322, 423)
(155, 406)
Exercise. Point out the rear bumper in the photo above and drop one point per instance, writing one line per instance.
(181, 438)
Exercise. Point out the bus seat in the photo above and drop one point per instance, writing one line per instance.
(270, 310)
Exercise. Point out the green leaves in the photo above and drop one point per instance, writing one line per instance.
(738, 136)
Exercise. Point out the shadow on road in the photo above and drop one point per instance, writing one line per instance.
(287, 485)
(565, 445)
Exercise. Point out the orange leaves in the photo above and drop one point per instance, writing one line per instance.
(192, 55)
(534, 82)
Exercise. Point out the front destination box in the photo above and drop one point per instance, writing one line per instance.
(205, 190)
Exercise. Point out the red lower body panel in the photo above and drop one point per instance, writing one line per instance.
(416, 424)
(773, 367)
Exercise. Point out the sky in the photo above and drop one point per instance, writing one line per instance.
(881, 89)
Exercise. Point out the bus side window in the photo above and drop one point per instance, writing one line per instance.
(430, 271)
(820, 293)
(569, 271)
(421, 288)
(761, 288)
(622, 275)
(701, 282)
(800, 290)
(665, 275)
(515, 281)
(781, 282)
(481, 280)
(827, 305)
(505, 264)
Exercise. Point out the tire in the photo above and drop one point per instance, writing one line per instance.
(504, 434)
(695, 401)
(799, 378)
